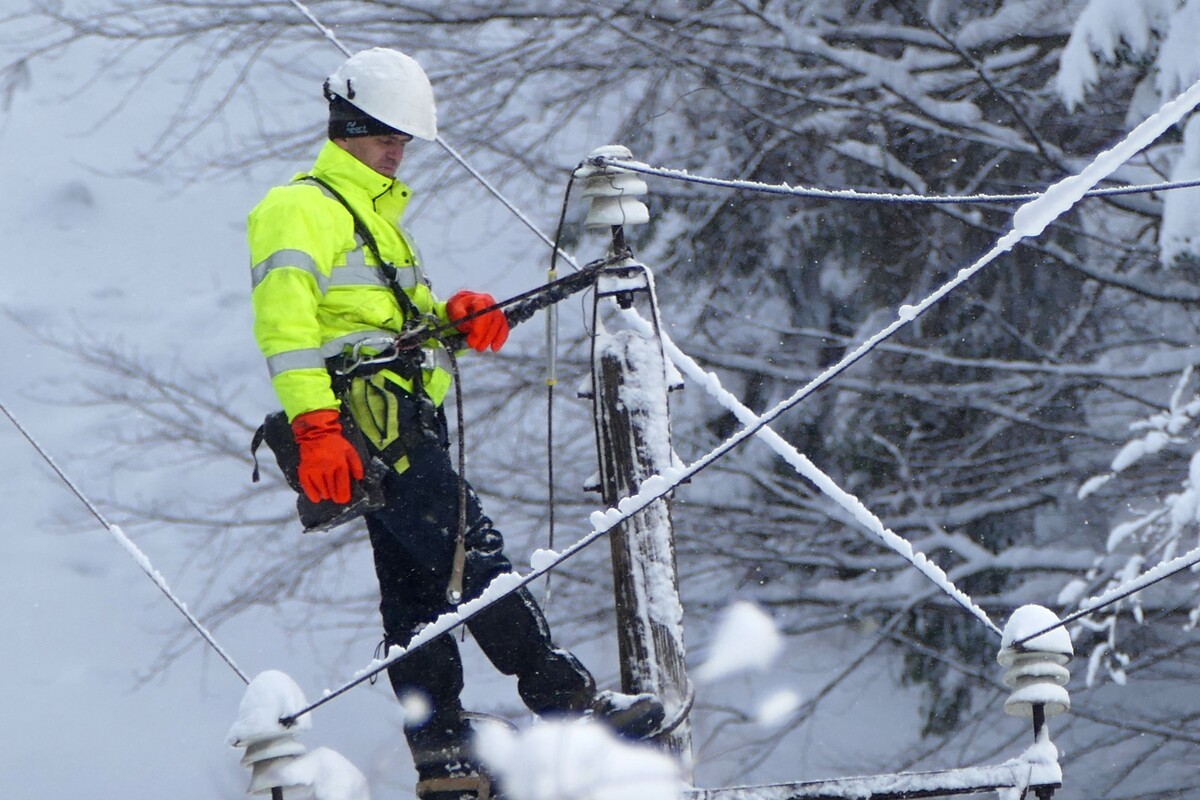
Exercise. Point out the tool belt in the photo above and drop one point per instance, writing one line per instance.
(380, 420)
(366, 495)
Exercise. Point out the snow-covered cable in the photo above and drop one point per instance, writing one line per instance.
(805, 467)
(54, 466)
(326, 32)
(651, 490)
(1159, 572)
(1030, 220)
(856, 195)
(500, 587)
(132, 549)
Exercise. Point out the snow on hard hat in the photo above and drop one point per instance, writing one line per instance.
(390, 87)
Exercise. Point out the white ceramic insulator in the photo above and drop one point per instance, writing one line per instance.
(1034, 667)
(1053, 698)
(1010, 656)
(270, 696)
(615, 183)
(270, 774)
(608, 211)
(1025, 622)
(272, 748)
(1038, 678)
(607, 151)
(613, 191)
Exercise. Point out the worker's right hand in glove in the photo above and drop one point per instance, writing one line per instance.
(486, 330)
(328, 462)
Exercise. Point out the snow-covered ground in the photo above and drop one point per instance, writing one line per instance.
(80, 619)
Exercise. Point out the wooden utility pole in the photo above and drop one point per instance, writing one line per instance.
(633, 437)
(633, 427)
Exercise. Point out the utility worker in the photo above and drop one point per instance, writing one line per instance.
(334, 271)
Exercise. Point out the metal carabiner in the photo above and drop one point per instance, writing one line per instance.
(416, 331)
(356, 358)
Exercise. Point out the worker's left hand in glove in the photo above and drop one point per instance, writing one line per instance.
(328, 462)
(486, 330)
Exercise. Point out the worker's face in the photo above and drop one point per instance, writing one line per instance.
(381, 153)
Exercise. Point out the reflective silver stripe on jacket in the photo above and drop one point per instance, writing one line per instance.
(364, 275)
(295, 259)
(356, 272)
(308, 358)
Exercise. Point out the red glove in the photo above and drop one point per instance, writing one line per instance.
(327, 461)
(484, 331)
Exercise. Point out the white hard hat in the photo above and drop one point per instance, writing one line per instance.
(387, 86)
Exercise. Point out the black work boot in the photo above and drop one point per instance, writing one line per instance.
(451, 773)
(633, 716)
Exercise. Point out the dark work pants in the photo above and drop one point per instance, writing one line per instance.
(413, 538)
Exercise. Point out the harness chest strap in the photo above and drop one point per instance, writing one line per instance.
(367, 239)
(404, 364)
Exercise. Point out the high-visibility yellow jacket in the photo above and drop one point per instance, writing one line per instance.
(317, 290)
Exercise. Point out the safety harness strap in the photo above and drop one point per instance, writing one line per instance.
(390, 273)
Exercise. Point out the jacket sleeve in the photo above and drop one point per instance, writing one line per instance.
(292, 249)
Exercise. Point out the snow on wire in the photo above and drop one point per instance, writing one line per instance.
(805, 467)
(1159, 572)
(143, 561)
(872, 196)
(1029, 221)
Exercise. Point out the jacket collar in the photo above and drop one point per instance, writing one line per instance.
(346, 173)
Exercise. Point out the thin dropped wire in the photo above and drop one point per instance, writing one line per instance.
(1158, 573)
(552, 372)
(132, 549)
(869, 196)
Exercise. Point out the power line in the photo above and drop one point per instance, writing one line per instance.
(500, 587)
(1051, 209)
(132, 549)
(872, 196)
(806, 468)
(605, 521)
(1154, 575)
